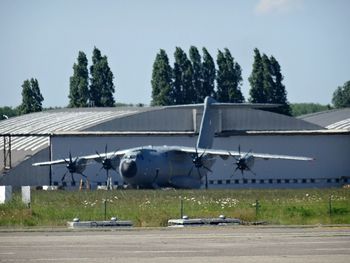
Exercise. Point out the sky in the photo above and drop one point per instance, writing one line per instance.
(41, 39)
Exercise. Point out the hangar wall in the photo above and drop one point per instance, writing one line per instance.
(330, 149)
(26, 174)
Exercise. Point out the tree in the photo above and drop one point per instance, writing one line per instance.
(256, 80)
(208, 75)
(197, 81)
(161, 80)
(229, 78)
(341, 96)
(182, 90)
(37, 97)
(79, 83)
(278, 93)
(266, 83)
(267, 79)
(101, 82)
(31, 97)
(7, 112)
(298, 109)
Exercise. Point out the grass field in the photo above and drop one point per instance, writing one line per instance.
(154, 207)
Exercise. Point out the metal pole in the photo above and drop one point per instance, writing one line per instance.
(330, 205)
(105, 204)
(10, 157)
(4, 151)
(50, 158)
(181, 208)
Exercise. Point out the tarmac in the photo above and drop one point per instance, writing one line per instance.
(190, 244)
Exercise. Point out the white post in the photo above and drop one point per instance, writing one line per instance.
(26, 195)
(5, 193)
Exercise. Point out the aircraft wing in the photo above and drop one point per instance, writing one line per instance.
(95, 157)
(225, 154)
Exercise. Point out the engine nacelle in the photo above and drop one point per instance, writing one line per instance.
(245, 163)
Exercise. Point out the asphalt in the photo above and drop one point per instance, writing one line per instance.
(193, 244)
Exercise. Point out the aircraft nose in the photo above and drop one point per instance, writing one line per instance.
(128, 169)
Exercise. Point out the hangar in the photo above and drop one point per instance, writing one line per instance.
(54, 134)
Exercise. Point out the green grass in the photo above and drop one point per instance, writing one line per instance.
(154, 207)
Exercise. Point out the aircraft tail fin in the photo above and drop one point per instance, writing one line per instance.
(207, 128)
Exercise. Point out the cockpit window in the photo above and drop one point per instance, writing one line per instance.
(135, 155)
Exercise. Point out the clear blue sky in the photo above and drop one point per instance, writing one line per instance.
(41, 39)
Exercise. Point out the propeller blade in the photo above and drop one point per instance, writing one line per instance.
(190, 172)
(234, 157)
(63, 177)
(250, 170)
(206, 168)
(98, 155)
(199, 173)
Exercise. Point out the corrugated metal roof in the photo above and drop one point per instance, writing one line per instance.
(52, 121)
(333, 119)
(147, 119)
(188, 119)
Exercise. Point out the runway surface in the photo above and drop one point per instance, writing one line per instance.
(211, 244)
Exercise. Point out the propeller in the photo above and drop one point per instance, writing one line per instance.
(198, 163)
(243, 163)
(74, 166)
(107, 162)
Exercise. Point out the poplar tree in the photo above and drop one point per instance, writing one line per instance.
(228, 78)
(31, 97)
(256, 80)
(278, 93)
(101, 81)
(79, 83)
(37, 96)
(208, 75)
(161, 80)
(267, 79)
(197, 80)
(183, 91)
(266, 83)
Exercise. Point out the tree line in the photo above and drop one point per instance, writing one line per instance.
(96, 91)
(193, 78)
(189, 80)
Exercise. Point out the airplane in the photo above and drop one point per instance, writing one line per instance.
(170, 166)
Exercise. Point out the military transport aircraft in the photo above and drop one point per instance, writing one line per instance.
(169, 166)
